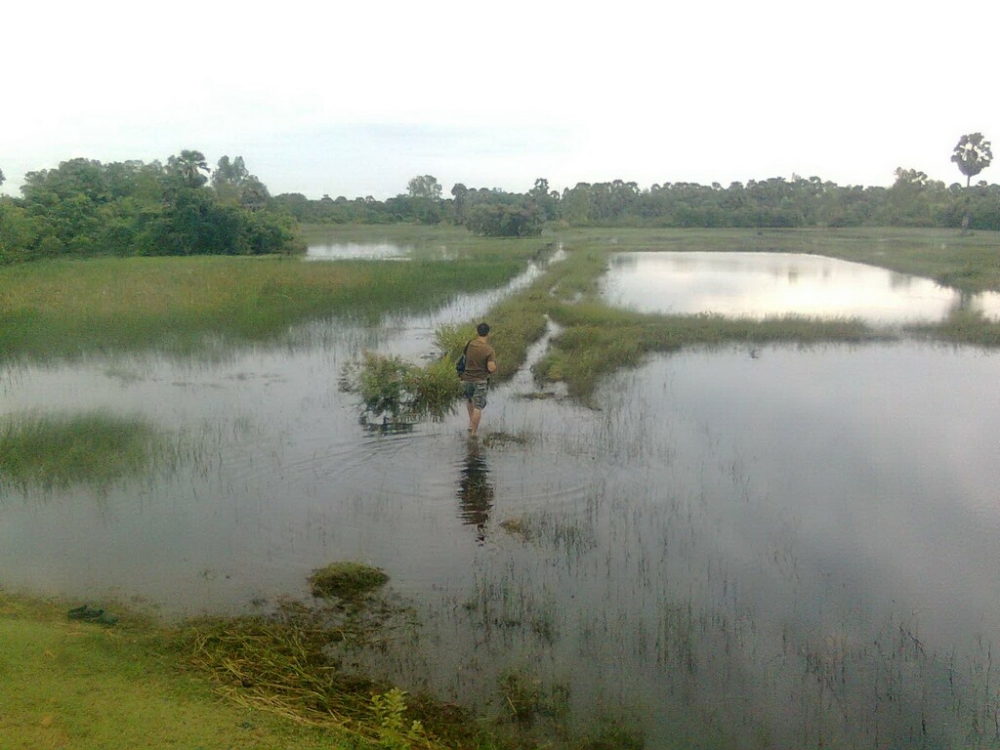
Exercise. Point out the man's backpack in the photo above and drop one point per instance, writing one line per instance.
(460, 365)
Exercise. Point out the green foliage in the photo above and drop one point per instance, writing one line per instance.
(424, 186)
(189, 168)
(346, 580)
(972, 154)
(389, 709)
(61, 450)
(395, 390)
(77, 687)
(501, 220)
(85, 208)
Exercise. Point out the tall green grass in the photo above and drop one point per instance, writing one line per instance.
(67, 308)
(55, 451)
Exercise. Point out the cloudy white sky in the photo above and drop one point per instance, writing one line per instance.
(355, 98)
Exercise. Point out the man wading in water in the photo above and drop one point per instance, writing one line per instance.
(480, 363)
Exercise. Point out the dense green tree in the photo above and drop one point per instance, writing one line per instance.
(506, 220)
(228, 172)
(2, 178)
(253, 194)
(459, 192)
(86, 208)
(972, 154)
(547, 200)
(424, 186)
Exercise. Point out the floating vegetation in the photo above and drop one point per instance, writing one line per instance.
(517, 527)
(536, 395)
(500, 439)
(572, 537)
(346, 580)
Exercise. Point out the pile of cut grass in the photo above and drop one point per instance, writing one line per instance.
(56, 451)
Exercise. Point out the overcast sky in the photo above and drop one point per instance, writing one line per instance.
(356, 98)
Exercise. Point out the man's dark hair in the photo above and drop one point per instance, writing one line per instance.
(483, 329)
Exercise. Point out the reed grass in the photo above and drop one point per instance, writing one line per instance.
(597, 340)
(96, 448)
(66, 308)
(961, 327)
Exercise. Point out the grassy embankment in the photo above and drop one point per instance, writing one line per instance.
(82, 686)
(253, 683)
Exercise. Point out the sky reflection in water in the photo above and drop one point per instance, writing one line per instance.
(773, 284)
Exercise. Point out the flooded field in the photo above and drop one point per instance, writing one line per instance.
(780, 546)
(770, 284)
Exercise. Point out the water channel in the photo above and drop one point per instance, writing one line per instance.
(794, 544)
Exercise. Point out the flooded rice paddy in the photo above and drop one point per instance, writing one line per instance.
(773, 284)
(784, 547)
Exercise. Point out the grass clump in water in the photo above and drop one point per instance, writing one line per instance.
(397, 391)
(962, 327)
(346, 580)
(56, 451)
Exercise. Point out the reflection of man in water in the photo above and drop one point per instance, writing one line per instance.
(475, 492)
(480, 363)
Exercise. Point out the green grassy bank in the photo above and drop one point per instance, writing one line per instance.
(81, 686)
(250, 683)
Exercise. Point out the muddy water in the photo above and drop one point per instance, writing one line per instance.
(797, 545)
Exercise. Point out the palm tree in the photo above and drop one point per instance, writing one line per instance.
(190, 165)
(972, 155)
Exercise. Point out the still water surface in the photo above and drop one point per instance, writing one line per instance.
(798, 544)
(773, 284)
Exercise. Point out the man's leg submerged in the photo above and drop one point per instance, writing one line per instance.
(475, 405)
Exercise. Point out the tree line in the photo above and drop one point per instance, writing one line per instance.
(913, 200)
(182, 207)
(84, 208)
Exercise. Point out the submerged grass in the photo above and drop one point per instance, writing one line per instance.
(94, 448)
(597, 340)
(66, 308)
(346, 580)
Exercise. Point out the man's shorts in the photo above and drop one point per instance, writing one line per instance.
(476, 393)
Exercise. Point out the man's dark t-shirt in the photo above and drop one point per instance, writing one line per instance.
(476, 357)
